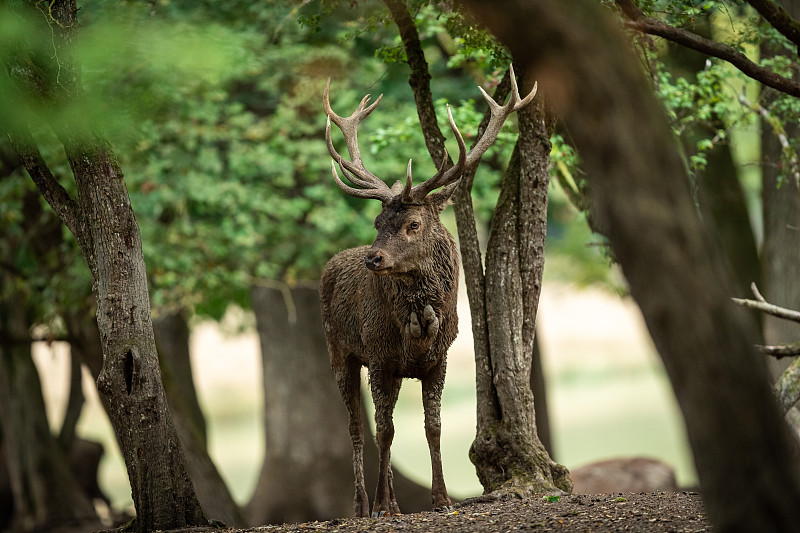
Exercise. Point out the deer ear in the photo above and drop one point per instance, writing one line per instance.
(442, 197)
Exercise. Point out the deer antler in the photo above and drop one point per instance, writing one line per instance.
(465, 162)
(374, 187)
(354, 170)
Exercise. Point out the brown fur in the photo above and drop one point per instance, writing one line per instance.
(397, 318)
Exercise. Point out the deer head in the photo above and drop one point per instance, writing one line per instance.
(410, 214)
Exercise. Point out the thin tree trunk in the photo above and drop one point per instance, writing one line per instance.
(539, 388)
(720, 195)
(507, 452)
(780, 251)
(741, 446)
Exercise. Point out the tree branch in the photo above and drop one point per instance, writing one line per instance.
(722, 51)
(783, 350)
(48, 185)
(779, 18)
(419, 79)
(770, 309)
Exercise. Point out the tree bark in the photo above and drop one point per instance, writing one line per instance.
(307, 470)
(105, 227)
(507, 452)
(640, 191)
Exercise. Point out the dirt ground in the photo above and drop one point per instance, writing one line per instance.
(647, 512)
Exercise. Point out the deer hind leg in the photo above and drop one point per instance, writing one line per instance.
(384, 394)
(348, 377)
(432, 386)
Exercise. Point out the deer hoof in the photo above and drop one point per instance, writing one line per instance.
(433, 321)
(379, 514)
(444, 509)
(414, 327)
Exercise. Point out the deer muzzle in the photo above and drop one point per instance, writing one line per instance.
(377, 261)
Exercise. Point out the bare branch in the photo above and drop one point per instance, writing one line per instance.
(779, 18)
(770, 309)
(782, 350)
(709, 47)
(754, 288)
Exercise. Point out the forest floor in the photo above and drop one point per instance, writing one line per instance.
(647, 512)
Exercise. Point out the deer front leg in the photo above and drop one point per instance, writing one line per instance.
(385, 390)
(432, 386)
(348, 377)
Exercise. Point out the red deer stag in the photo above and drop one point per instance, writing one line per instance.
(392, 306)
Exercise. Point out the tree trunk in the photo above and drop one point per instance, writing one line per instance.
(741, 446)
(130, 377)
(780, 252)
(307, 470)
(720, 195)
(172, 339)
(507, 452)
(45, 492)
(106, 230)
(539, 388)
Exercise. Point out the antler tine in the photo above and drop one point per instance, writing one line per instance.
(445, 176)
(372, 194)
(354, 169)
(499, 113)
(499, 116)
(331, 150)
(407, 190)
(520, 103)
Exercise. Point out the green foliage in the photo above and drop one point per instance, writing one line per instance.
(214, 110)
(718, 99)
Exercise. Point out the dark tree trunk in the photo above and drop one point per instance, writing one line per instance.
(780, 252)
(105, 228)
(539, 388)
(720, 195)
(307, 470)
(172, 338)
(45, 491)
(741, 446)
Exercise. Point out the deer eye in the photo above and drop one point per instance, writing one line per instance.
(414, 225)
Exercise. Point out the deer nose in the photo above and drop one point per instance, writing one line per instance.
(373, 260)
